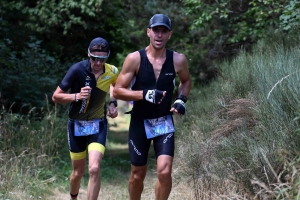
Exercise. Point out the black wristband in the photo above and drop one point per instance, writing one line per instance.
(114, 102)
(182, 97)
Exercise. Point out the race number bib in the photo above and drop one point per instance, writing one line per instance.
(84, 128)
(158, 126)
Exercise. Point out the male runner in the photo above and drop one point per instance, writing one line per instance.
(152, 72)
(89, 82)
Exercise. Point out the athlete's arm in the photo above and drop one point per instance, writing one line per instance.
(181, 68)
(129, 69)
(112, 110)
(111, 91)
(60, 96)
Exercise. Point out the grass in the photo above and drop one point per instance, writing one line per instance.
(241, 130)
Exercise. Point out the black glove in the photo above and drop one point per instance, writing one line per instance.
(153, 96)
(179, 104)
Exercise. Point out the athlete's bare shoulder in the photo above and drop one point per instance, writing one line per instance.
(180, 61)
(133, 55)
(132, 61)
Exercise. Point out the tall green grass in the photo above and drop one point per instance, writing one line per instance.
(30, 150)
(241, 138)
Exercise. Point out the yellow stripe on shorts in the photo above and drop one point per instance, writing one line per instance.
(78, 156)
(97, 147)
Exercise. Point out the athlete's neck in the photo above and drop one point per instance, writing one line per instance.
(154, 52)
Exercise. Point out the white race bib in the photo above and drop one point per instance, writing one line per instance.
(84, 128)
(158, 126)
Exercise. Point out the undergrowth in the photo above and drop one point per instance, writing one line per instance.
(242, 132)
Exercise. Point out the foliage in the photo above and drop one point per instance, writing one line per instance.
(61, 14)
(243, 130)
(291, 15)
(53, 37)
(27, 76)
(68, 26)
(63, 29)
(58, 33)
(287, 186)
(15, 33)
(30, 151)
(225, 26)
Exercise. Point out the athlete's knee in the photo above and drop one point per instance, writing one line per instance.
(77, 174)
(94, 170)
(164, 173)
(138, 174)
(164, 176)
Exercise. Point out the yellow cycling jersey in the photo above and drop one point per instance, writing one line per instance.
(80, 75)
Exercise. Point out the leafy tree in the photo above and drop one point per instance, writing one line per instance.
(227, 25)
(291, 15)
(224, 27)
(41, 39)
(27, 76)
(68, 26)
(58, 32)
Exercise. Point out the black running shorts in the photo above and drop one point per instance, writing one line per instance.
(79, 144)
(139, 145)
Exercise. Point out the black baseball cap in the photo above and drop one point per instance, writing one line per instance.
(101, 43)
(160, 20)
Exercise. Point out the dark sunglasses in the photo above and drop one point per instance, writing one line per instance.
(98, 58)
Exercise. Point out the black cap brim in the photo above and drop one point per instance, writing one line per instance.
(160, 24)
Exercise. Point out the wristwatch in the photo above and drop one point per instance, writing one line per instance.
(114, 102)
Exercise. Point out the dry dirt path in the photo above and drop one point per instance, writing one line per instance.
(119, 192)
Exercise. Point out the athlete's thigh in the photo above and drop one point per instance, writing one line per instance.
(138, 143)
(164, 145)
(95, 159)
(77, 144)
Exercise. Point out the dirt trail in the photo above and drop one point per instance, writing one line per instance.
(119, 192)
